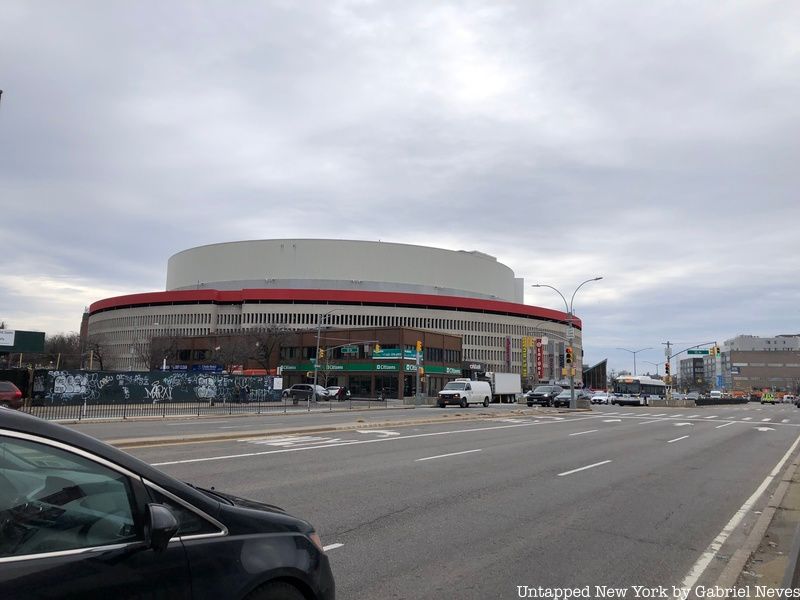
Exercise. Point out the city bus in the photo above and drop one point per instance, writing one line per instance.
(638, 389)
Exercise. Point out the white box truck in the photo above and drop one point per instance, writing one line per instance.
(505, 386)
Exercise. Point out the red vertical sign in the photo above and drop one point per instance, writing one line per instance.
(539, 359)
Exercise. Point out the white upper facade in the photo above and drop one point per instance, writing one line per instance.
(751, 343)
(343, 265)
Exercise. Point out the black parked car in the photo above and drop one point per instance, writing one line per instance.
(543, 394)
(81, 519)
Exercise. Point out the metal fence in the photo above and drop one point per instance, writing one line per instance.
(132, 410)
(77, 395)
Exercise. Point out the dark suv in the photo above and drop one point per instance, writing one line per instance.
(543, 395)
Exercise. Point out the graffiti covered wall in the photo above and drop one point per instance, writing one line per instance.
(100, 387)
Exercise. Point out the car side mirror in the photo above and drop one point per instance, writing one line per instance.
(159, 527)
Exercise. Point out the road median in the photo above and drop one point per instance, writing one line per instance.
(194, 438)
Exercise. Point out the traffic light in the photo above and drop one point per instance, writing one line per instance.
(419, 345)
(322, 353)
(666, 368)
(377, 348)
(568, 355)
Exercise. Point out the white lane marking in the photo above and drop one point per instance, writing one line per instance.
(747, 419)
(648, 422)
(660, 415)
(510, 420)
(446, 455)
(332, 547)
(692, 416)
(711, 417)
(765, 420)
(682, 424)
(353, 443)
(723, 425)
(612, 420)
(582, 432)
(714, 547)
(784, 420)
(678, 439)
(293, 440)
(382, 432)
(765, 428)
(584, 468)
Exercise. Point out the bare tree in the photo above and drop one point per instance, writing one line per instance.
(232, 350)
(64, 350)
(160, 349)
(266, 344)
(95, 349)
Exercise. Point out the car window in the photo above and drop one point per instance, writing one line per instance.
(6, 386)
(189, 522)
(52, 500)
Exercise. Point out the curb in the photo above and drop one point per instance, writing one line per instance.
(237, 435)
(731, 573)
(242, 415)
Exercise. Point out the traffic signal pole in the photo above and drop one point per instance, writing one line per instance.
(418, 394)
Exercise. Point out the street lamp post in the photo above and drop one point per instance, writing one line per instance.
(570, 332)
(656, 365)
(316, 356)
(634, 352)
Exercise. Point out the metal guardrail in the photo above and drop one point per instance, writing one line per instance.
(133, 410)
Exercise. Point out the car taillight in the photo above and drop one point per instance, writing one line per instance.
(17, 394)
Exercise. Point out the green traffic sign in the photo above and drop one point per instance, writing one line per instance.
(697, 351)
(350, 350)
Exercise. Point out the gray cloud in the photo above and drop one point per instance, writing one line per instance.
(653, 143)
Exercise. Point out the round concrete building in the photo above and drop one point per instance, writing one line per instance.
(243, 286)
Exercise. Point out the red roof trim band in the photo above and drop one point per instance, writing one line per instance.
(331, 296)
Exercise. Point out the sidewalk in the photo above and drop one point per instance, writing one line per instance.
(768, 564)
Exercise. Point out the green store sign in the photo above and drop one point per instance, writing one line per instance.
(371, 367)
(394, 353)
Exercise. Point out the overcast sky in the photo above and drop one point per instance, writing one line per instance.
(656, 144)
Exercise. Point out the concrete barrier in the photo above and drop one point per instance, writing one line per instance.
(673, 403)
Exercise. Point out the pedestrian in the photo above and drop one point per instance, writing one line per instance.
(246, 393)
(341, 394)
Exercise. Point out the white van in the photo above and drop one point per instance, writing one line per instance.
(465, 392)
(715, 395)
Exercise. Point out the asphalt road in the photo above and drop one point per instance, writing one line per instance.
(616, 497)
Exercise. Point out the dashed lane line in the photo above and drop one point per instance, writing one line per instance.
(446, 455)
(604, 462)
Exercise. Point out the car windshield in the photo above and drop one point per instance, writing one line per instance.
(455, 385)
(542, 389)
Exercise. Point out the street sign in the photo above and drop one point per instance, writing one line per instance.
(697, 351)
(350, 350)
